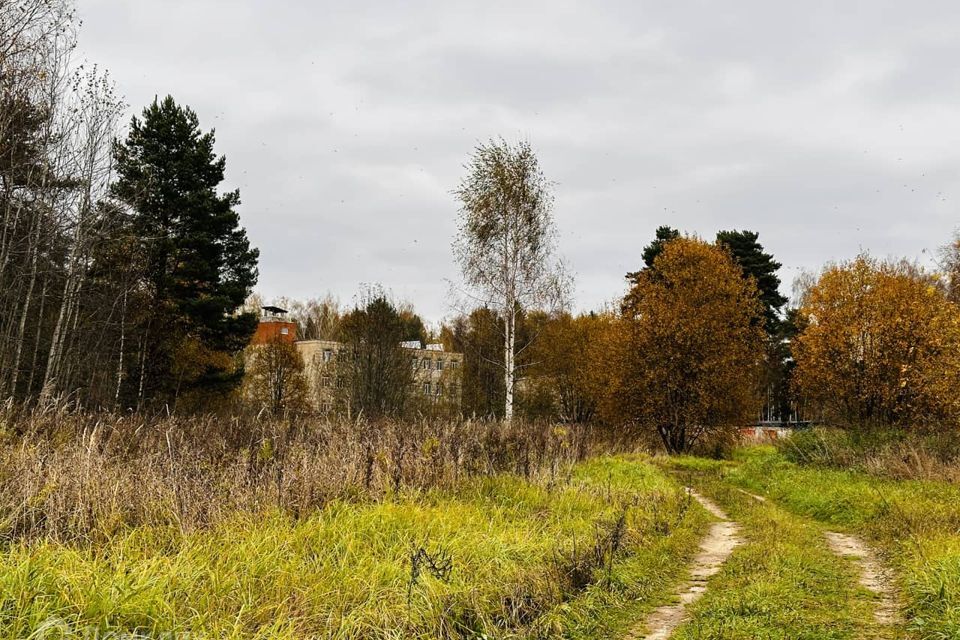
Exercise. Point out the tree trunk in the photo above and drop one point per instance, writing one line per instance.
(21, 330)
(123, 336)
(510, 326)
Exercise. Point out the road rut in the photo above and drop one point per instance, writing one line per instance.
(715, 548)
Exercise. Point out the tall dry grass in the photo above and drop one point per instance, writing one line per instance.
(70, 476)
(890, 453)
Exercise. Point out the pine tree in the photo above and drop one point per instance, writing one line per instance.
(749, 254)
(198, 264)
(664, 234)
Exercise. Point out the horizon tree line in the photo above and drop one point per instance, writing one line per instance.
(124, 271)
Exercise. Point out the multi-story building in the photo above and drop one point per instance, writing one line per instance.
(436, 380)
(436, 373)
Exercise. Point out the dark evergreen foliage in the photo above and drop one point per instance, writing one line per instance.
(376, 372)
(198, 263)
(756, 263)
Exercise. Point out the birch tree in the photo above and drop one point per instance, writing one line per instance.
(506, 242)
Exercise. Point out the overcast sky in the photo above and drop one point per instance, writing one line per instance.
(346, 124)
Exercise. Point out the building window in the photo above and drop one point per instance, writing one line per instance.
(426, 364)
(454, 364)
(439, 365)
(326, 382)
(439, 389)
(327, 355)
(426, 388)
(414, 361)
(284, 331)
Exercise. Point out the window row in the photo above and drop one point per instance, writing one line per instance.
(439, 390)
(428, 363)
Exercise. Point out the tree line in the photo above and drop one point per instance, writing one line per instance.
(124, 272)
(122, 265)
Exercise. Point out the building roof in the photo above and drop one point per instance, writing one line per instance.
(274, 310)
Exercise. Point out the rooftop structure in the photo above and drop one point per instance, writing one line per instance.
(274, 325)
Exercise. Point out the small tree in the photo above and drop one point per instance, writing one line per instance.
(275, 379)
(570, 362)
(375, 372)
(693, 346)
(880, 346)
(479, 337)
(506, 242)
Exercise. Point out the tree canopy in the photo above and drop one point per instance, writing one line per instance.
(748, 253)
(692, 347)
(880, 346)
(506, 245)
(197, 260)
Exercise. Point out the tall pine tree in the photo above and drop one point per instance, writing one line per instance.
(755, 262)
(197, 263)
(748, 253)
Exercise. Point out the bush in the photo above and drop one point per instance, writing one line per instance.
(887, 452)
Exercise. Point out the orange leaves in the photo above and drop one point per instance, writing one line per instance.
(693, 346)
(882, 346)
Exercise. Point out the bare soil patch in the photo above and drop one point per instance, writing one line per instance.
(873, 574)
(715, 548)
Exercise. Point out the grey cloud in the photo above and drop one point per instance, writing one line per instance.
(346, 125)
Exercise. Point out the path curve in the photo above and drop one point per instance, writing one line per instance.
(715, 548)
(873, 575)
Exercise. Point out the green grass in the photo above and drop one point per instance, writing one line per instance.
(916, 524)
(782, 583)
(345, 570)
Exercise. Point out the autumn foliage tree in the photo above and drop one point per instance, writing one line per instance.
(880, 347)
(275, 379)
(506, 245)
(570, 364)
(693, 347)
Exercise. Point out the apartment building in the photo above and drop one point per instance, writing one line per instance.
(437, 373)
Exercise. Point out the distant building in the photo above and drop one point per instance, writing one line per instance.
(437, 374)
(274, 325)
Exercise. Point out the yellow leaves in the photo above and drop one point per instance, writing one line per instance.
(693, 344)
(885, 347)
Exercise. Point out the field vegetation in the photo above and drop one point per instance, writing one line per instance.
(914, 523)
(167, 471)
(345, 530)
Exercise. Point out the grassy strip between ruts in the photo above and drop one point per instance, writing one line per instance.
(915, 524)
(782, 583)
(501, 558)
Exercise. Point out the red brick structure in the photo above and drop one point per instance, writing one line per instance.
(274, 326)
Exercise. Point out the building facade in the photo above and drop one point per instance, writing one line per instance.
(436, 383)
(436, 380)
